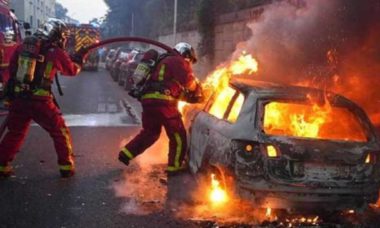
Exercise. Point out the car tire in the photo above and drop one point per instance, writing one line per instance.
(115, 76)
(126, 87)
(120, 79)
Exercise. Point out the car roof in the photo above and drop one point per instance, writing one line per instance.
(263, 88)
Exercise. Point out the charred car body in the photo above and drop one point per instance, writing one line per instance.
(250, 138)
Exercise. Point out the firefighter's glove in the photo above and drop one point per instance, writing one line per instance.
(80, 56)
(78, 59)
(195, 96)
(136, 92)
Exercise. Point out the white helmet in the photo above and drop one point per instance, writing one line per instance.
(53, 30)
(186, 51)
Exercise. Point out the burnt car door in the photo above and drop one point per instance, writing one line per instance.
(207, 136)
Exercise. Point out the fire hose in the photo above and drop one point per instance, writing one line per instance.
(85, 50)
(82, 53)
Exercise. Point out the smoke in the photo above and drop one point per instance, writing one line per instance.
(141, 185)
(331, 44)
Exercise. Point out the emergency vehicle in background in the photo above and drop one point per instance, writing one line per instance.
(10, 38)
(84, 35)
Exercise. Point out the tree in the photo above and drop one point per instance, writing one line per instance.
(60, 11)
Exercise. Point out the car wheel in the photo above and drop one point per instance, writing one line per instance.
(120, 79)
(114, 75)
(126, 87)
(129, 84)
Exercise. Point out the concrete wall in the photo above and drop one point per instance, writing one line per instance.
(191, 37)
(229, 31)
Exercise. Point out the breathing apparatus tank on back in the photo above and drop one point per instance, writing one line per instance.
(28, 59)
(31, 60)
(143, 72)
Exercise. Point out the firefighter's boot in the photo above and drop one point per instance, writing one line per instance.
(67, 173)
(124, 158)
(177, 172)
(6, 172)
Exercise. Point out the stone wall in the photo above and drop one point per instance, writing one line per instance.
(229, 31)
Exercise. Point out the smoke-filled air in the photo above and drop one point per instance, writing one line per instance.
(332, 44)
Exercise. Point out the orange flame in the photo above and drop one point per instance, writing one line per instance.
(268, 213)
(218, 79)
(245, 63)
(309, 120)
(312, 121)
(217, 83)
(218, 195)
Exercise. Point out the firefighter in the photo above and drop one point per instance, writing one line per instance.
(33, 68)
(170, 81)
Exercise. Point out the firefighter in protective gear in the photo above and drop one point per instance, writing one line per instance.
(169, 82)
(33, 68)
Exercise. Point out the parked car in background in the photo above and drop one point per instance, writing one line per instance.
(110, 56)
(115, 56)
(115, 68)
(127, 69)
(283, 150)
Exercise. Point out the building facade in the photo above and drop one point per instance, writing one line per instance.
(34, 12)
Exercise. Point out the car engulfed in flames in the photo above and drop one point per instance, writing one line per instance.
(288, 147)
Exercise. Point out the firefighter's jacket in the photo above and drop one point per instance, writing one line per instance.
(55, 60)
(168, 81)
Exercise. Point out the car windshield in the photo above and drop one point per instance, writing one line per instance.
(312, 121)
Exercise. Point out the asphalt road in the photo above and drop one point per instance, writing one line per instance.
(101, 118)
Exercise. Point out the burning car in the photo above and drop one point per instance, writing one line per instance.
(288, 147)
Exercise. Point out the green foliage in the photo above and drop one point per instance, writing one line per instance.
(60, 11)
(151, 18)
(140, 18)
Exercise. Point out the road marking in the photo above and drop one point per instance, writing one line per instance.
(111, 108)
(107, 116)
(102, 107)
(130, 110)
(99, 120)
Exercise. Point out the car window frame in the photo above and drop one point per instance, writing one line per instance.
(230, 105)
(261, 102)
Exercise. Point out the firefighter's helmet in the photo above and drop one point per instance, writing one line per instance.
(53, 30)
(186, 51)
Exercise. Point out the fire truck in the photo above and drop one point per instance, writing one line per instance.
(83, 35)
(10, 38)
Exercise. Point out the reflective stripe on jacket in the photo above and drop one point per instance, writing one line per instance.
(174, 74)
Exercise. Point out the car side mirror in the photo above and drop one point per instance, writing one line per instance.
(26, 25)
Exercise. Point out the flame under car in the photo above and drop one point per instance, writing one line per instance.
(288, 147)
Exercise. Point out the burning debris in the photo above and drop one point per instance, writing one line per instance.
(217, 194)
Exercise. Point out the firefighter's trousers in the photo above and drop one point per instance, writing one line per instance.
(49, 117)
(153, 118)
